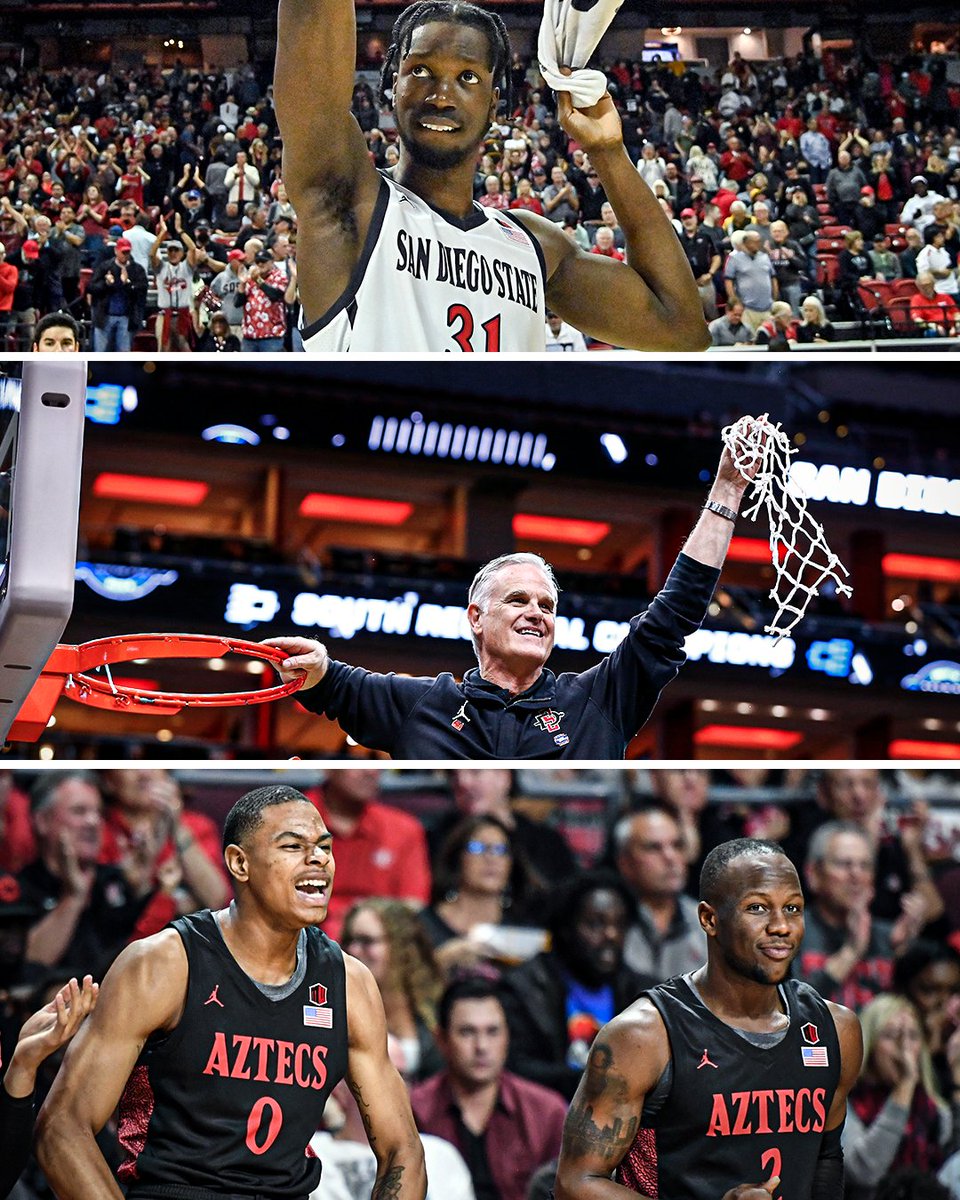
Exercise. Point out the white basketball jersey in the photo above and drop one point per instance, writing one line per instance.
(426, 281)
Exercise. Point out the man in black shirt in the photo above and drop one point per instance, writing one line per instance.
(512, 706)
(734, 1072)
(703, 258)
(87, 909)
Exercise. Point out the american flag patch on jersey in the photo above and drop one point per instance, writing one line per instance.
(320, 1018)
(512, 231)
(814, 1056)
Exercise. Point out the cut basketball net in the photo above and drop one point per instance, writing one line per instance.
(70, 672)
(799, 551)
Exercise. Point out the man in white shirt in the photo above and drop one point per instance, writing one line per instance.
(936, 259)
(563, 337)
(242, 181)
(174, 278)
(918, 210)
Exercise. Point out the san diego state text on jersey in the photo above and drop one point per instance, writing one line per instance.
(466, 269)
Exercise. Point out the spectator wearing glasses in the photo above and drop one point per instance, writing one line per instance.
(480, 878)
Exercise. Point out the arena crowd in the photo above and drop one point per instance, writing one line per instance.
(469, 897)
(815, 202)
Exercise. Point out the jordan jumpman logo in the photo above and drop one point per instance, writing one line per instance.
(705, 1062)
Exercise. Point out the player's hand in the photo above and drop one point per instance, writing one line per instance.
(308, 659)
(754, 1191)
(596, 128)
(54, 1024)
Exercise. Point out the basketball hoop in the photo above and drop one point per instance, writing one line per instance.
(798, 547)
(69, 672)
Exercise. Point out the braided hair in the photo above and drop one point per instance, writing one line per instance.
(457, 12)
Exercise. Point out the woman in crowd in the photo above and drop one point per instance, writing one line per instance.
(387, 937)
(92, 215)
(814, 326)
(480, 878)
(855, 268)
(928, 974)
(896, 1115)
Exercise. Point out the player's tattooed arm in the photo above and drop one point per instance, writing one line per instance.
(388, 1188)
(602, 1124)
(380, 1093)
(583, 1133)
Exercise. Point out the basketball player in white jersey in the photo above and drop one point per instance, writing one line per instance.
(409, 262)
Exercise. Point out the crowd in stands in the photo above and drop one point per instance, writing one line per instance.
(501, 944)
(151, 204)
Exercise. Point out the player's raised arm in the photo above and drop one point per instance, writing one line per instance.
(142, 992)
(626, 1060)
(380, 1093)
(326, 165)
(649, 303)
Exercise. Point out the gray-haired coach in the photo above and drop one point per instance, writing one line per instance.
(512, 706)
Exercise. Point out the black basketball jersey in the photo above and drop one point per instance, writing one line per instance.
(736, 1113)
(228, 1101)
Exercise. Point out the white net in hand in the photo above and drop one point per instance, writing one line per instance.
(798, 549)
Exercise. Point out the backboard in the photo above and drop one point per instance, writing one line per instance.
(41, 444)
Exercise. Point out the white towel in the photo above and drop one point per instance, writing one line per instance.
(570, 31)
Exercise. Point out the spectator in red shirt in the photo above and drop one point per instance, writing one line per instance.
(149, 832)
(525, 197)
(493, 196)
(504, 1126)
(604, 244)
(735, 162)
(379, 850)
(267, 290)
(935, 313)
(8, 285)
(18, 845)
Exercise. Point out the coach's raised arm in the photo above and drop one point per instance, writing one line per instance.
(511, 705)
(405, 259)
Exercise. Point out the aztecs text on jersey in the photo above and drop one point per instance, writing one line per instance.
(736, 1113)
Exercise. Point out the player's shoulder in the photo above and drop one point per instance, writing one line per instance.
(845, 1019)
(148, 979)
(364, 1004)
(640, 1024)
(163, 954)
(633, 1046)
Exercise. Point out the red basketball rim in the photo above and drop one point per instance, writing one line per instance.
(102, 691)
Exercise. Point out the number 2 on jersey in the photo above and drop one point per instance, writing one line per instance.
(463, 335)
(771, 1163)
